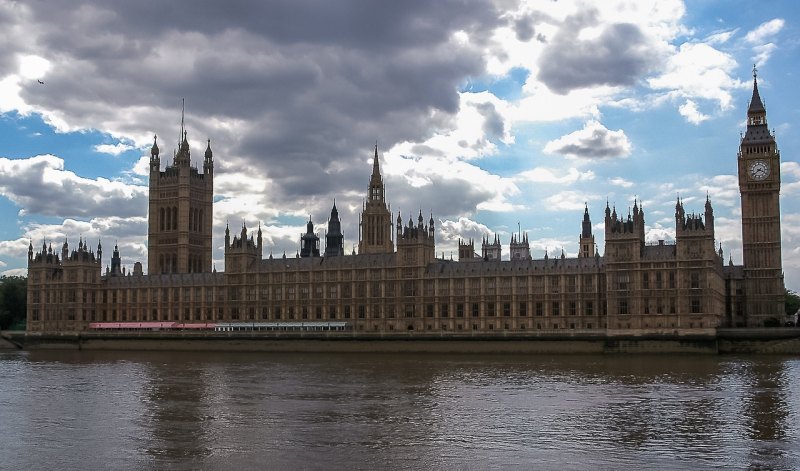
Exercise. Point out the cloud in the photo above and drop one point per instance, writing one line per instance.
(720, 37)
(617, 56)
(619, 181)
(763, 53)
(763, 31)
(545, 175)
(41, 185)
(113, 149)
(594, 141)
(568, 200)
(722, 189)
(462, 228)
(698, 71)
(689, 111)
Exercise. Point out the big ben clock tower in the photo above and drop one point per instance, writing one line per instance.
(759, 186)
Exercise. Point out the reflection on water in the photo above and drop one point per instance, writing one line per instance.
(135, 410)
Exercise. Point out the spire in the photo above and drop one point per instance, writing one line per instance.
(376, 171)
(154, 150)
(209, 154)
(586, 225)
(183, 132)
(756, 105)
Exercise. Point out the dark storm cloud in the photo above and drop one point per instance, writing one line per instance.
(594, 141)
(494, 124)
(618, 56)
(525, 30)
(309, 85)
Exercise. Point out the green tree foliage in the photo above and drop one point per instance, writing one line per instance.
(13, 300)
(792, 302)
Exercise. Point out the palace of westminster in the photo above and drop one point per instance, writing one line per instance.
(396, 283)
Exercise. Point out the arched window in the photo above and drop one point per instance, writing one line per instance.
(162, 219)
(200, 221)
(174, 218)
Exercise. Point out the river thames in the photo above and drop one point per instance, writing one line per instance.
(217, 411)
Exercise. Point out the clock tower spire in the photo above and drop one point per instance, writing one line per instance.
(759, 186)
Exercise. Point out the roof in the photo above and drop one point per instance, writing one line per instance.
(509, 267)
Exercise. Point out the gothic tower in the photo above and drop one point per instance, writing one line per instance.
(334, 239)
(586, 241)
(180, 212)
(376, 221)
(759, 186)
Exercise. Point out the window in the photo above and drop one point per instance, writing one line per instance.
(623, 306)
(622, 281)
(539, 309)
(444, 310)
(523, 309)
(459, 310)
(694, 280)
(554, 284)
(696, 306)
(556, 308)
(506, 309)
(645, 281)
(588, 308)
(476, 309)
(573, 308)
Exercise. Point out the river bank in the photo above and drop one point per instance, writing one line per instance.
(748, 341)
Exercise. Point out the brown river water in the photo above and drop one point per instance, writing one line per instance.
(240, 411)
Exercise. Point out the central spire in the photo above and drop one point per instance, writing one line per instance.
(376, 170)
(376, 188)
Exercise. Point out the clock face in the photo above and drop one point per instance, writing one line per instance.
(758, 170)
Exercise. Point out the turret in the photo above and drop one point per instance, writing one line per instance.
(155, 161)
(208, 162)
(709, 214)
(116, 262)
(309, 242)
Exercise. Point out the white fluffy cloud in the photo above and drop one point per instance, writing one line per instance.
(689, 111)
(41, 185)
(764, 31)
(699, 71)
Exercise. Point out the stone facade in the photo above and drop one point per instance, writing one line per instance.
(396, 283)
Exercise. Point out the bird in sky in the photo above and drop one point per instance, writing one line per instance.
(40, 82)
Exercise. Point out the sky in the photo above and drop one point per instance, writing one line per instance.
(494, 116)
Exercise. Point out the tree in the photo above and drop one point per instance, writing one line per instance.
(792, 303)
(13, 300)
